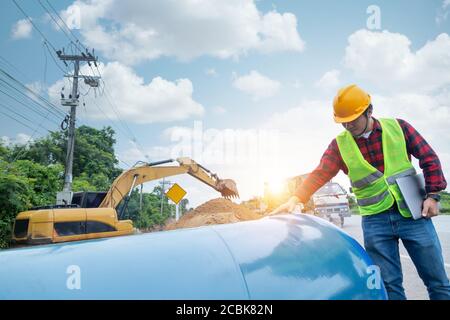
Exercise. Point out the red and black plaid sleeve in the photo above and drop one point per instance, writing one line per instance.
(428, 160)
(329, 166)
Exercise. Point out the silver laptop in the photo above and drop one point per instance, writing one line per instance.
(413, 191)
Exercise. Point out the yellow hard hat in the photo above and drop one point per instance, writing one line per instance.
(349, 103)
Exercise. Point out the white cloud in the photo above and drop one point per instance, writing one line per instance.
(443, 12)
(143, 30)
(23, 138)
(19, 139)
(21, 29)
(430, 114)
(5, 140)
(257, 85)
(329, 81)
(306, 129)
(37, 87)
(385, 59)
(134, 100)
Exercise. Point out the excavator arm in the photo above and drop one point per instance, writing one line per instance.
(135, 176)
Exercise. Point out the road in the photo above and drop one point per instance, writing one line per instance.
(414, 287)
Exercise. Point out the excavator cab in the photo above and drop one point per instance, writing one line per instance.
(88, 199)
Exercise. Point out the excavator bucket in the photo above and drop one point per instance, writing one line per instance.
(227, 188)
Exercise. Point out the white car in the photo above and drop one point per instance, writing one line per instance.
(331, 201)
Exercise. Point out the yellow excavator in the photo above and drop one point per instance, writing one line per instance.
(93, 214)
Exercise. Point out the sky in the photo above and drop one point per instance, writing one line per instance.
(243, 87)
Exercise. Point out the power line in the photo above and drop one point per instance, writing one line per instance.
(33, 24)
(53, 58)
(22, 103)
(12, 66)
(16, 113)
(117, 113)
(9, 64)
(38, 96)
(38, 30)
(74, 37)
(26, 143)
(25, 105)
(45, 64)
(56, 22)
(67, 27)
(11, 117)
(77, 41)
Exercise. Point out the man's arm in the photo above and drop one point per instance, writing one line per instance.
(428, 160)
(329, 166)
(430, 165)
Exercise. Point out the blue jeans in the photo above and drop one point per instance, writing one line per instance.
(381, 234)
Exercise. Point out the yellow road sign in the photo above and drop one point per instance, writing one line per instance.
(176, 193)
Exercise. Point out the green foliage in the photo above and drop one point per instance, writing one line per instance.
(445, 202)
(94, 159)
(352, 204)
(4, 151)
(14, 197)
(95, 182)
(24, 184)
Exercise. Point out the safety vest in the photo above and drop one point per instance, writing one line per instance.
(376, 191)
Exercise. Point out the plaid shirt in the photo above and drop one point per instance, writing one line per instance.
(371, 149)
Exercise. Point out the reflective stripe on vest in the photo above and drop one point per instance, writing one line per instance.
(372, 200)
(367, 180)
(375, 191)
(393, 179)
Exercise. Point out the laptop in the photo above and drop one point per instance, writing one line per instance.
(413, 191)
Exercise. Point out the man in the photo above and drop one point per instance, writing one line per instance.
(373, 153)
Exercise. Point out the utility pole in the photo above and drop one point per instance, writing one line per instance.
(65, 197)
(140, 199)
(177, 211)
(163, 185)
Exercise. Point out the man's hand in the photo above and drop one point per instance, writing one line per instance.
(430, 208)
(289, 206)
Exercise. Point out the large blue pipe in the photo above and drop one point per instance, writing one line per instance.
(278, 257)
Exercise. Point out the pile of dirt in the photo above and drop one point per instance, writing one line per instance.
(216, 211)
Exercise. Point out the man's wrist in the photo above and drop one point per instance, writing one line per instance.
(434, 195)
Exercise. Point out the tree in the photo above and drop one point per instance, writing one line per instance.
(445, 202)
(150, 216)
(183, 206)
(15, 196)
(24, 184)
(94, 157)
